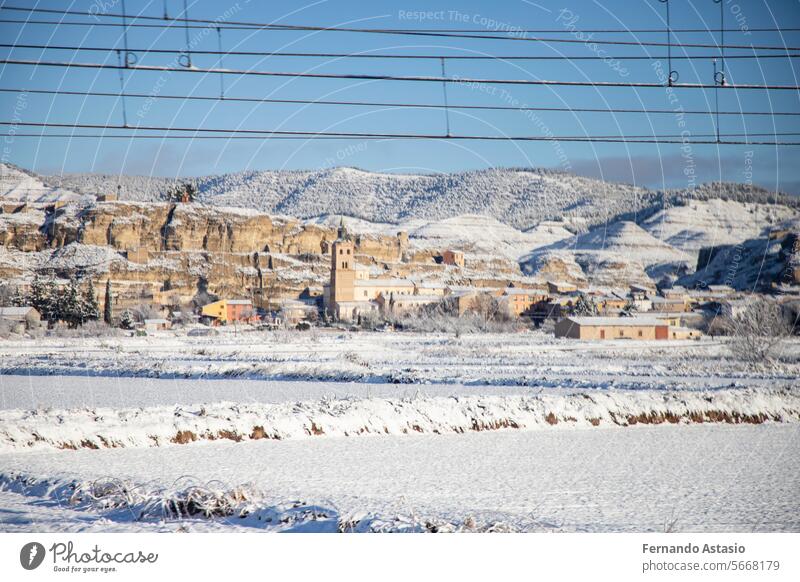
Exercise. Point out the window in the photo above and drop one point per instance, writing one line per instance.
(365, 292)
(640, 333)
(621, 333)
(341, 251)
(348, 251)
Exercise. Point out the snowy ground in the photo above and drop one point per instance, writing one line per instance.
(524, 359)
(334, 431)
(702, 478)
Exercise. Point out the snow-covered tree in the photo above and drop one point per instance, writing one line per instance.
(44, 297)
(630, 308)
(69, 307)
(126, 320)
(584, 306)
(759, 330)
(90, 310)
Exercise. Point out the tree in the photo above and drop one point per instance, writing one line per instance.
(630, 308)
(758, 331)
(69, 305)
(44, 297)
(584, 306)
(108, 309)
(126, 320)
(90, 310)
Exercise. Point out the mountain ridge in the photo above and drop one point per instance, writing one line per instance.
(519, 197)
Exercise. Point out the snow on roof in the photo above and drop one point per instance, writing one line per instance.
(658, 299)
(518, 291)
(418, 298)
(156, 321)
(431, 285)
(384, 283)
(239, 302)
(616, 321)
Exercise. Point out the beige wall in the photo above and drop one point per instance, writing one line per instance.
(371, 292)
(565, 328)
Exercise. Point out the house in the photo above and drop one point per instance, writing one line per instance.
(157, 324)
(521, 301)
(640, 292)
(405, 303)
(431, 288)
(450, 257)
(561, 287)
(610, 303)
(664, 304)
(464, 299)
(601, 328)
(28, 316)
(230, 310)
(676, 292)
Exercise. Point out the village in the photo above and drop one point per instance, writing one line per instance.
(357, 299)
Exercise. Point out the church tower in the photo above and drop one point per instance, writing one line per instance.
(343, 269)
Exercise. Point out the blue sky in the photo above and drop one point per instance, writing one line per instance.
(645, 164)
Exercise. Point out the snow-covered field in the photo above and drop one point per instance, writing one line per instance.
(333, 431)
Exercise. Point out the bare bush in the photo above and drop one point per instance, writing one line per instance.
(6, 328)
(89, 329)
(758, 331)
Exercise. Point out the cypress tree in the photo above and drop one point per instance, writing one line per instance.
(108, 314)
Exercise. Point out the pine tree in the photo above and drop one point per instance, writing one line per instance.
(69, 306)
(90, 310)
(44, 297)
(584, 306)
(108, 313)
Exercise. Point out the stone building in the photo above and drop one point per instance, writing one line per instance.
(352, 293)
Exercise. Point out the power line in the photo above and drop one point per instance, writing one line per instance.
(390, 31)
(388, 104)
(228, 26)
(165, 136)
(397, 56)
(267, 133)
(464, 30)
(369, 77)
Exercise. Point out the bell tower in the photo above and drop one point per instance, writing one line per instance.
(343, 268)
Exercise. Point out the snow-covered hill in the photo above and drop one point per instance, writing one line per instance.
(521, 198)
(518, 197)
(618, 244)
(703, 223)
(17, 185)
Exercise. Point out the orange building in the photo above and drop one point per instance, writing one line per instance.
(228, 310)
